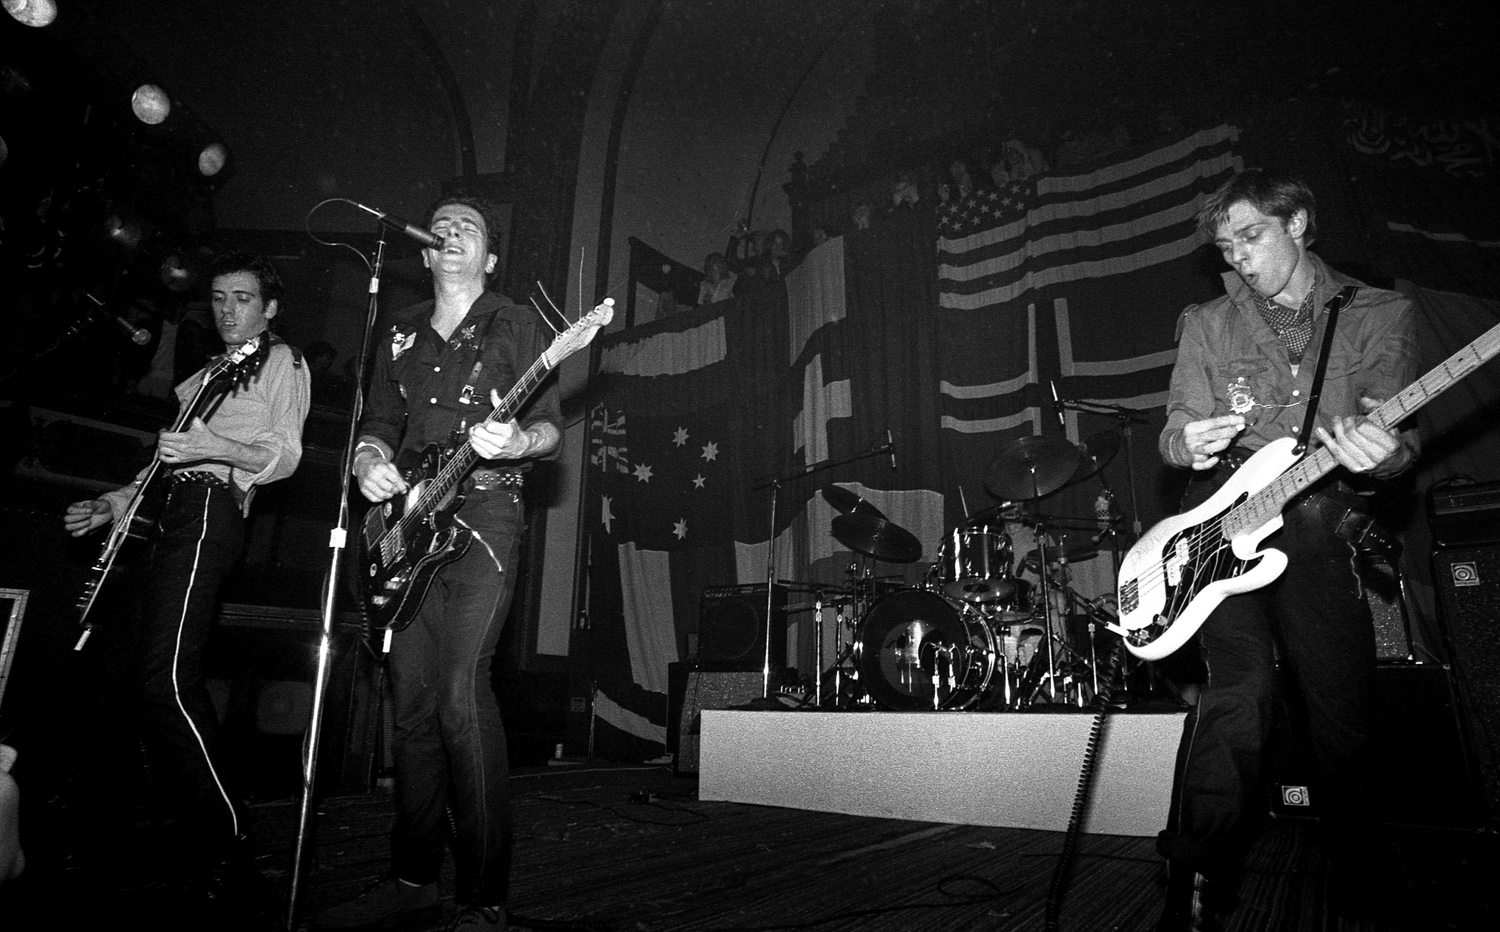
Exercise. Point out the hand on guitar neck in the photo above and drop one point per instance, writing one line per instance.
(1358, 443)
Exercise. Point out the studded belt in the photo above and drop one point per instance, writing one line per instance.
(481, 480)
(197, 477)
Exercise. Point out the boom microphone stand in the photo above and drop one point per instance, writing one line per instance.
(774, 482)
(337, 538)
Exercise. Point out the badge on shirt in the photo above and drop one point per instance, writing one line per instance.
(401, 342)
(1241, 398)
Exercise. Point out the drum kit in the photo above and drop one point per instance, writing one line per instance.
(988, 629)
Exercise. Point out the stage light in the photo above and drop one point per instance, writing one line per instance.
(211, 160)
(32, 12)
(150, 103)
(120, 231)
(181, 272)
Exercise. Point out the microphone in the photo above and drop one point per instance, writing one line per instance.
(140, 336)
(425, 237)
(891, 447)
(1057, 407)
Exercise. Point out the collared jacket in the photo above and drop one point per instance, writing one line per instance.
(426, 390)
(1229, 361)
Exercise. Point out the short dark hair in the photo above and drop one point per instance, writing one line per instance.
(1272, 194)
(487, 212)
(235, 260)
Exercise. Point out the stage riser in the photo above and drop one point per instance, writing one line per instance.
(1014, 771)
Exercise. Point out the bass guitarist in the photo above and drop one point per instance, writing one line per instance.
(1243, 377)
(212, 467)
(439, 373)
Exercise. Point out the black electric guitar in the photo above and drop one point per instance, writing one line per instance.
(404, 541)
(139, 517)
(1182, 568)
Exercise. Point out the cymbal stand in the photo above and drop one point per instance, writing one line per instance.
(1045, 589)
(818, 650)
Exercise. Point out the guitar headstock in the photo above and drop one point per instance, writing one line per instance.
(240, 363)
(581, 333)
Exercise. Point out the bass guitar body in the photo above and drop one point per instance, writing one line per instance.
(1184, 566)
(402, 545)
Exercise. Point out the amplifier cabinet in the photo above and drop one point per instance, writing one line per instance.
(732, 627)
(1467, 580)
(1422, 762)
(1464, 515)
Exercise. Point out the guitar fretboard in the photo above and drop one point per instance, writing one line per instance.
(1269, 502)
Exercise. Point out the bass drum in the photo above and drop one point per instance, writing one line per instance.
(916, 650)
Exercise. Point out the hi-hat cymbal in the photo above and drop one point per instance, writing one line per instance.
(1056, 553)
(876, 537)
(1031, 467)
(1096, 452)
(848, 503)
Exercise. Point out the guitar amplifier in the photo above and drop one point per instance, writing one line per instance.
(732, 627)
(1465, 515)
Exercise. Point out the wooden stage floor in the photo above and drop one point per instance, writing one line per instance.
(632, 848)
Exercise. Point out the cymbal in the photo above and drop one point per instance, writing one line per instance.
(1031, 467)
(848, 503)
(1073, 553)
(1097, 450)
(876, 537)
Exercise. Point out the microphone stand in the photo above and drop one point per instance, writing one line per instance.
(1126, 417)
(774, 482)
(337, 538)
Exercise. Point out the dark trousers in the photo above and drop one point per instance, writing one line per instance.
(1315, 618)
(201, 535)
(449, 742)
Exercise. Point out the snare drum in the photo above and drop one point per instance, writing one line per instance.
(974, 564)
(916, 650)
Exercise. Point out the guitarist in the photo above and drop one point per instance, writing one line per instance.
(440, 372)
(253, 436)
(1244, 372)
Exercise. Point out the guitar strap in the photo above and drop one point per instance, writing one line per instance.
(1334, 305)
(1349, 522)
(467, 395)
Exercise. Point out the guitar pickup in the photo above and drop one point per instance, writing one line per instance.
(1182, 554)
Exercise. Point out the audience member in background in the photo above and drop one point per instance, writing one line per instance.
(861, 216)
(718, 280)
(965, 178)
(776, 261)
(904, 193)
(1018, 162)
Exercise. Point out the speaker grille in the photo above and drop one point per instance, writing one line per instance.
(1468, 584)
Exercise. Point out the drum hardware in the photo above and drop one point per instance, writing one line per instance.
(917, 650)
(974, 565)
(1031, 467)
(1096, 452)
(876, 537)
(1061, 554)
(848, 503)
(774, 482)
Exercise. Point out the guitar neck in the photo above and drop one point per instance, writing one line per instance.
(1269, 501)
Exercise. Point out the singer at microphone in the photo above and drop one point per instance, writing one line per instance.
(426, 237)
